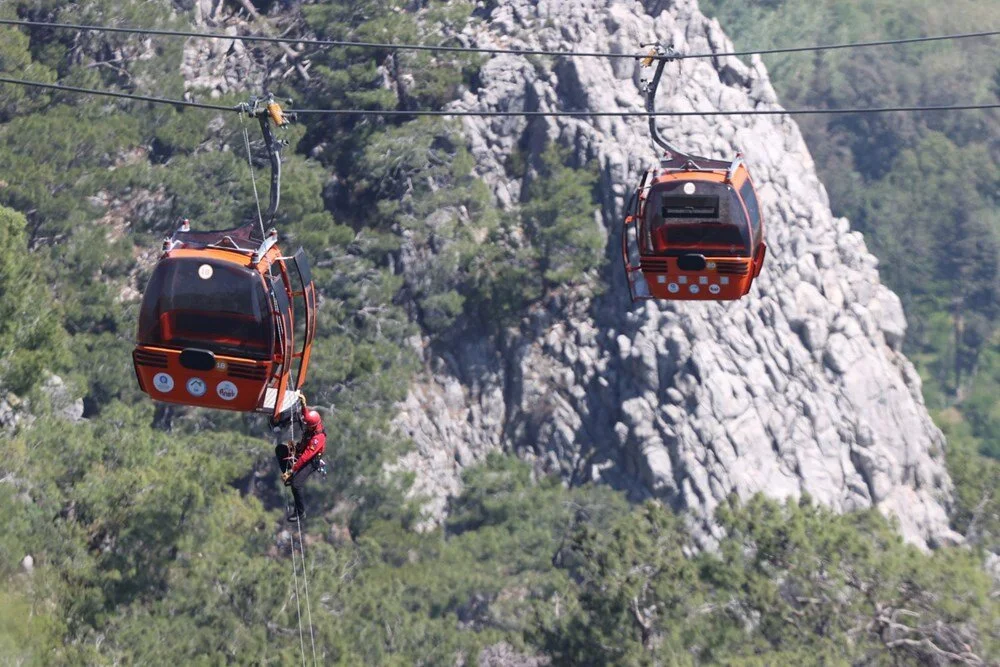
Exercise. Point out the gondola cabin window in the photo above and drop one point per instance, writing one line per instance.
(753, 208)
(208, 304)
(685, 216)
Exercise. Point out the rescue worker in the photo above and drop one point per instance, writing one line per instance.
(308, 457)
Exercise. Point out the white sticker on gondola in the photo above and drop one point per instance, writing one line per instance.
(163, 382)
(682, 280)
(694, 289)
(226, 390)
(714, 289)
(689, 188)
(703, 280)
(661, 279)
(204, 271)
(196, 387)
(724, 280)
(673, 288)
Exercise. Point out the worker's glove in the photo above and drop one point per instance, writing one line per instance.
(286, 477)
(321, 466)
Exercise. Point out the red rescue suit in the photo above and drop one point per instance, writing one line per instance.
(313, 444)
(306, 459)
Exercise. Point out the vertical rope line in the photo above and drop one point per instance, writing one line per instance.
(295, 577)
(305, 582)
(302, 556)
(289, 508)
(253, 177)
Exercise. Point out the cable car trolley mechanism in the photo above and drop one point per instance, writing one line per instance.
(693, 227)
(218, 322)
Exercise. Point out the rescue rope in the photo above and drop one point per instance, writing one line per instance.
(305, 585)
(302, 558)
(289, 507)
(253, 177)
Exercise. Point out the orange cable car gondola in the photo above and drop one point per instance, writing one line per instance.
(218, 321)
(693, 228)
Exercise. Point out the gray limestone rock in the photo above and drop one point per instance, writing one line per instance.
(65, 404)
(14, 412)
(799, 387)
(8, 414)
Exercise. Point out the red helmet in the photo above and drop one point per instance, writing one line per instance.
(311, 418)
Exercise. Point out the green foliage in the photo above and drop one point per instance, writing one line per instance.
(31, 339)
(354, 78)
(844, 586)
(636, 591)
(29, 634)
(981, 407)
(790, 583)
(149, 67)
(16, 62)
(51, 179)
(976, 513)
(422, 176)
(155, 531)
(560, 219)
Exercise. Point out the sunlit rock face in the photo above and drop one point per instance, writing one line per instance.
(798, 388)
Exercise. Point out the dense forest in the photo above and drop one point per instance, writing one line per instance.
(135, 533)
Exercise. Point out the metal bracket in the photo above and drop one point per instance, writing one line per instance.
(737, 161)
(266, 110)
(649, 86)
(268, 243)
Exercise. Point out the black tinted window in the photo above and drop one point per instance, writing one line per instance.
(753, 209)
(209, 304)
(714, 236)
(681, 216)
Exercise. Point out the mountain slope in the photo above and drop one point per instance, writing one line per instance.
(798, 388)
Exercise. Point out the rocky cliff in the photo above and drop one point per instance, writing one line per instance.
(798, 388)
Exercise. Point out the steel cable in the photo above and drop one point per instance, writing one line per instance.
(529, 114)
(484, 50)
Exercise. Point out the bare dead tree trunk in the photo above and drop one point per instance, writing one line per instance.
(289, 51)
(402, 98)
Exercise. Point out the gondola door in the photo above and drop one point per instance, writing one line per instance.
(284, 346)
(631, 245)
(306, 295)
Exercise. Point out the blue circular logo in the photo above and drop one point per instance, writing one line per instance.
(196, 387)
(226, 390)
(163, 382)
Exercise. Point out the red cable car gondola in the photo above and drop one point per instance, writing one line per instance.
(693, 228)
(218, 319)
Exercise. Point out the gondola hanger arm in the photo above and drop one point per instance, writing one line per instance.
(649, 86)
(267, 110)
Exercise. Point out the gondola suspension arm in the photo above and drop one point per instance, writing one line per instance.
(662, 57)
(267, 111)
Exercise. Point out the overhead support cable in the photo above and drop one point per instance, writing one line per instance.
(482, 49)
(507, 114)
(625, 114)
(112, 93)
